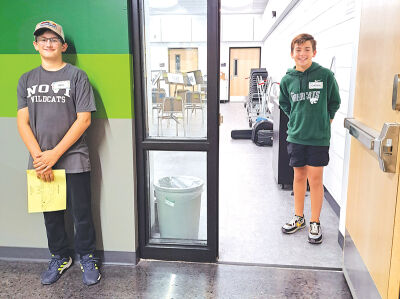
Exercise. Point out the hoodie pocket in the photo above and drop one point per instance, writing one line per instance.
(306, 125)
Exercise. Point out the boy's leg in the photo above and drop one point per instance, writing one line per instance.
(299, 189)
(317, 158)
(85, 238)
(58, 246)
(78, 191)
(56, 236)
(315, 179)
(297, 160)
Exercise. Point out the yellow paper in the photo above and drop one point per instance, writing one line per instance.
(47, 196)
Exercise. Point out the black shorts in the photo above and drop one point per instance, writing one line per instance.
(301, 155)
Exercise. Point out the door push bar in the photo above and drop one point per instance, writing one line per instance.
(384, 144)
(396, 95)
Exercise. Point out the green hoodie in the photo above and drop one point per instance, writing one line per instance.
(310, 99)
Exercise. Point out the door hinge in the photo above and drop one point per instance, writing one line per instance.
(221, 119)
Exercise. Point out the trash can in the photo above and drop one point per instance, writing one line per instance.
(178, 204)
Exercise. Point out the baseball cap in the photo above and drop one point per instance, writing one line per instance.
(51, 26)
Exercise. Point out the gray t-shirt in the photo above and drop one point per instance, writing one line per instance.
(53, 100)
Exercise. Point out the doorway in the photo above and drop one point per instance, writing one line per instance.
(176, 88)
(182, 60)
(371, 251)
(253, 207)
(241, 61)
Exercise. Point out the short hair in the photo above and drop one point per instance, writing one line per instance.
(301, 39)
(44, 30)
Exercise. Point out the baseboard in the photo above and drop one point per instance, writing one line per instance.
(24, 253)
(336, 209)
(340, 239)
(42, 254)
(332, 202)
(356, 272)
(118, 257)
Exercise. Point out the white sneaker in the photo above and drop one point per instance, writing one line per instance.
(315, 233)
(296, 223)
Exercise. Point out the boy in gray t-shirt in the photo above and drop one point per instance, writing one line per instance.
(55, 101)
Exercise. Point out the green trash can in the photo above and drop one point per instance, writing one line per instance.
(178, 204)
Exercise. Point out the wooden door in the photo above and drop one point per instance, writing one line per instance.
(373, 208)
(241, 61)
(182, 61)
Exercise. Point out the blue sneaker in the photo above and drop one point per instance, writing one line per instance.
(90, 270)
(57, 266)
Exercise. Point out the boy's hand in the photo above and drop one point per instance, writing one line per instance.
(46, 176)
(45, 161)
(331, 120)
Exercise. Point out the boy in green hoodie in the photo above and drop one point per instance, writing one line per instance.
(309, 96)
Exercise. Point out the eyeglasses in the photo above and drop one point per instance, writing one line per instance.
(52, 40)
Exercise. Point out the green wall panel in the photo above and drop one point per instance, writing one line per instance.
(90, 26)
(109, 74)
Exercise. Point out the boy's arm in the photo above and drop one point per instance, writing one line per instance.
(26, 133)
(284, 101)
(45, 160)
(30, 141)
(24, 127)
(333, 97)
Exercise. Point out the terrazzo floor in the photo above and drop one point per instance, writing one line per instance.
(154, 279)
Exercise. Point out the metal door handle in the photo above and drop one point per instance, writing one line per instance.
(395, 95)
(384, 144)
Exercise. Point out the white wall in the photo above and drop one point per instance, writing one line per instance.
(267, 20)
(177, 28)
(237, 31)
(334, 25)
(241, 28)
(345, 178)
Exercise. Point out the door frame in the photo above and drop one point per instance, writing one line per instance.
(229, 69)
(371, 272)
(210, 145)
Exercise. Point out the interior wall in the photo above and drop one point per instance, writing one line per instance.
(237, 31)
(346, 164)
(268, 19)
(98, 38)
(334, 26)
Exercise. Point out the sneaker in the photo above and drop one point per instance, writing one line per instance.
(296, 223)
(57, 266)
(90, 270)
(315, 233)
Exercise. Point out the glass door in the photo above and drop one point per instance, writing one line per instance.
(176, 83)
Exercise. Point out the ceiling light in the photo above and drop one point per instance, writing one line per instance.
(162, 3)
